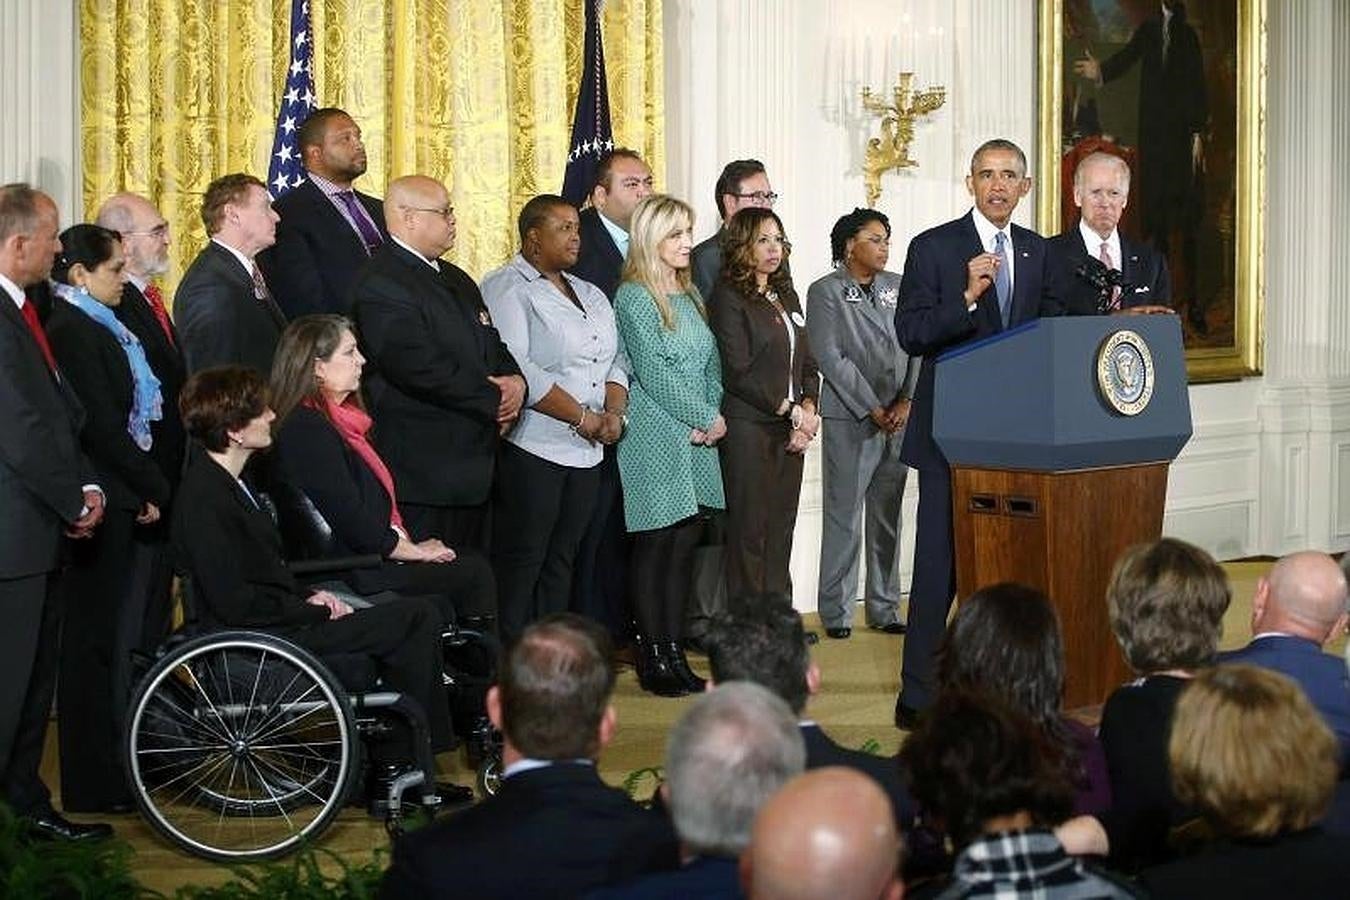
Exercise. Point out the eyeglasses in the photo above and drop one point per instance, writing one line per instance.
(445, 212)
(876, 240)
(759, 197)
(159, 231)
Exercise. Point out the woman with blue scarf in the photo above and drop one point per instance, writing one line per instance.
(104, 599)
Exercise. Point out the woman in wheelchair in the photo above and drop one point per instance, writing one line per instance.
(323, 454)
(231, 551)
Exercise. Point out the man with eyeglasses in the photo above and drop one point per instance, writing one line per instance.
(743, 183)
(327, 230)
(440, 382)
(621, 180)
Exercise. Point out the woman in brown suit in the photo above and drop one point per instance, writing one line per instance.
(770, 385)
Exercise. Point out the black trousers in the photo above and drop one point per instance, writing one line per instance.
(600, 588)
(463, 588)
(762, 483)
(29, 648)
(539, 519)
(932, 588)
(456, 526)
(662, 577)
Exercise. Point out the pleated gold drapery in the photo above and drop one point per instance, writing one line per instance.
(477, 93)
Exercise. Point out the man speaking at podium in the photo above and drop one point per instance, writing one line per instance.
(1098, 269)
(967, 279)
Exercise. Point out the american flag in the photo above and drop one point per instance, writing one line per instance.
(285, 169)
(591, 132)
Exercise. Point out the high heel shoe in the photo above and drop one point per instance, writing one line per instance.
(679, 663)
(657, 675)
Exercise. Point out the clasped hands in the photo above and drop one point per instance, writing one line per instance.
(805, 423)
(512, 388)
(604, 427)
(431, 550)
(891, 419)
(90, 516)
(709, 437)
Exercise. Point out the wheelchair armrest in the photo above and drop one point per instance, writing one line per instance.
(305, 567)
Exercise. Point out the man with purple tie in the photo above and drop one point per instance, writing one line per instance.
(328, 229)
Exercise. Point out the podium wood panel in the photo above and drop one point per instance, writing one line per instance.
(1060, 532)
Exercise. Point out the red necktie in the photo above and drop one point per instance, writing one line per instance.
(156, 300)
(31, 317)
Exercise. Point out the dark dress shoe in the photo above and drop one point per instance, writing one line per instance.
(840, 633)
(889, 628)
(52, 826)
(812, 638)
(906, 717)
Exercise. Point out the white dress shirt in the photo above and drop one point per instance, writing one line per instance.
(987, 230)
(1093, 241)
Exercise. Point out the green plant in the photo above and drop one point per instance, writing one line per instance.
(634, 779)
(31, 868)
(299, 878)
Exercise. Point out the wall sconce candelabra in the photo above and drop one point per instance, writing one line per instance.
(891, 149)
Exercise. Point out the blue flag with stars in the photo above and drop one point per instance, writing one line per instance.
(286, 169)
(592, 136)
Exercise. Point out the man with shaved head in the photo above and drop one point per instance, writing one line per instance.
(440, 382)
(828, 833)
(1297, 608)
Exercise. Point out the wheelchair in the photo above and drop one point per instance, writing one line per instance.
(242, 746)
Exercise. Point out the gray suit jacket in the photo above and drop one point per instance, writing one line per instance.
(859, 355)
(705, 264)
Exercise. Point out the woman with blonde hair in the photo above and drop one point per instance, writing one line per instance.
(668, 456)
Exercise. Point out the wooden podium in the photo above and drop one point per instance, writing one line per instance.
(1050, 483)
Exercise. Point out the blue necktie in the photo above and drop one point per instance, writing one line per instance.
(1003, 277)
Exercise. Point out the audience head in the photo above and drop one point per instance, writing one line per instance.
(1250, 753)
(861, 240)
(225, 407)
(828, 833)
(29, 242)
(765, 643)
(145, 233)
(550, 233)
(733, 749)
(743, 183)
(316, 362)
(552, 699)
(1304, 594)
(417, 211)
(978, 765)
(659, 242)
(1166, 600)
(1005, 640)
(1101, 189)
(91, 260)
(998, 179)
(238, 210)
(330, 146)
(622, 179)
(754, 243)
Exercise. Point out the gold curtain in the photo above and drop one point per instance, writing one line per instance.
(477, 93)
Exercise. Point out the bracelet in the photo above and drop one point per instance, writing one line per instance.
(795, 416)
(576, 429)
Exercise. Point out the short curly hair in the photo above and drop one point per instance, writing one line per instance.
(1166, 601)
(848, 227)
(216, 401)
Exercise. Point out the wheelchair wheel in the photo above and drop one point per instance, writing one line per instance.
(240, 746)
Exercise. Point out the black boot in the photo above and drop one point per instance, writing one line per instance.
(656, 674)
(680, 664)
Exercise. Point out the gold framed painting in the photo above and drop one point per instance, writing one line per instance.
(1178, 91)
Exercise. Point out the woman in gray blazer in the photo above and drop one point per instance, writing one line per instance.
(864, 402)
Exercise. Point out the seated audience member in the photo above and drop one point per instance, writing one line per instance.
(987, 774)
(827, 833)
(1297, 608)
(1166, 601)
(554, 828)
(225, 313)
(104, 604)
(323, 449)
(232, 554)
(725, 757)
(1005, 641)
(1253, 757)
(764, 643)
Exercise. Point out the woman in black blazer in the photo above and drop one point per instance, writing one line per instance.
(232, 554)
(105, 599)
(770, 386)
(321, 447)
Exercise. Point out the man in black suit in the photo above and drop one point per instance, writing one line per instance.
(743, 183)
(967, 279)
(440, 382)
(554, 828)
(621, 180)
(1101, 190)
(766, 644)
(327, 229)
(225, 313)
(45, 490)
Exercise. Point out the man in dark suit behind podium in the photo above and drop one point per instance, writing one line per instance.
(967, 279)
(554, 829)
(1101, 191)
(440, 382)
(327, 230)
(224, 311)
(45, 489)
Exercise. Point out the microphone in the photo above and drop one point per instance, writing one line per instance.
(1102, 279)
